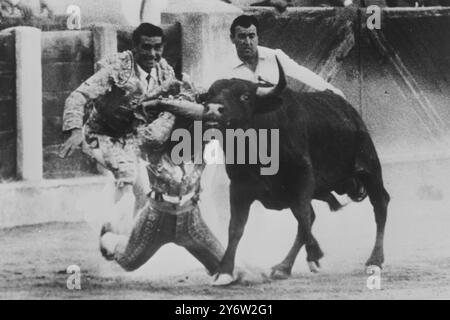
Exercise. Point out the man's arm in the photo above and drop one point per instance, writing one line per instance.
(178, 97)
(184, 108)
(94, 87)
(154, 134)
(303, 74)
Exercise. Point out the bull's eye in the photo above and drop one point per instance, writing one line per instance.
(245, 97)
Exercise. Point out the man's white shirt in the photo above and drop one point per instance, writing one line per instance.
(152, 82)
(267, 70)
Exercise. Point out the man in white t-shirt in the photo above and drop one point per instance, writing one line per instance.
(258, 64)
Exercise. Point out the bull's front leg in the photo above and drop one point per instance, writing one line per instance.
(240, 208)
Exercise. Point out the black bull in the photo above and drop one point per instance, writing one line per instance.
(324, 146)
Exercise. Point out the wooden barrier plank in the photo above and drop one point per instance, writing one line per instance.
(6, 98)
(7, 115)
(52, 130)
(7, 48)
(7, 85)
(65, 76)
(78, 165)
(53, 108)
(67, 46)
(7, 155)
(7, 108)
(53, 102)
(7, 69)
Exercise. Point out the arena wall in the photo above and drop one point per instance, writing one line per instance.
(396, 77)
(7, 108)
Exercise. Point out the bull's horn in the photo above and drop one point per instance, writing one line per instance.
(274, 91)
(184, 108)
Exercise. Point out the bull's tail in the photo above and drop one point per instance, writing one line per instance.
(333, 202)
(355, 190)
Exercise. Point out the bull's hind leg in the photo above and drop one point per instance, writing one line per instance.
(313, 251)
(283, 270)
(303, 212)
(379, 199)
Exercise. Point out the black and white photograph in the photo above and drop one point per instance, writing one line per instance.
(224, 150)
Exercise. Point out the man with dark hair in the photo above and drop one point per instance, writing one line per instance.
(258, 64)
(134, 145)
(245, 21)
(111, 96)
(146, 29)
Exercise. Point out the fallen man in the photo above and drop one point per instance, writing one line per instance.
(171, 214)
(157, 204)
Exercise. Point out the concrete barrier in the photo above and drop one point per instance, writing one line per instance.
(81, 199)
(205, 36)
(29, 103)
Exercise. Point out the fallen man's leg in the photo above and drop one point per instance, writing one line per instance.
(120, 156)
(160, 223)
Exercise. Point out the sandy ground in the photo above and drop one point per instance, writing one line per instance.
(34, 260)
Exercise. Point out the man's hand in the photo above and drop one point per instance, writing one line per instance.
(72, 143)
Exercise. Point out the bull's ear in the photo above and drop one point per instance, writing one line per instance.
(266, 105)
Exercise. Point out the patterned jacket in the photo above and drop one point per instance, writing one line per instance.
(111, 96)
(115, 93)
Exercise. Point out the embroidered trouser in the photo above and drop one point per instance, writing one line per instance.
(160, 223)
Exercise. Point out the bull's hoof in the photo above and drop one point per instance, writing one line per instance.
(374, 263)
(223, 279)
(314, 266)
(279, 274)
(376, 258)
(373, 270)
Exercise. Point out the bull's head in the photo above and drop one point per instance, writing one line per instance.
(228, 103)
(232, 103)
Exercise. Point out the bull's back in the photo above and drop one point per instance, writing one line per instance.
(313, 119)
(319, 126)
